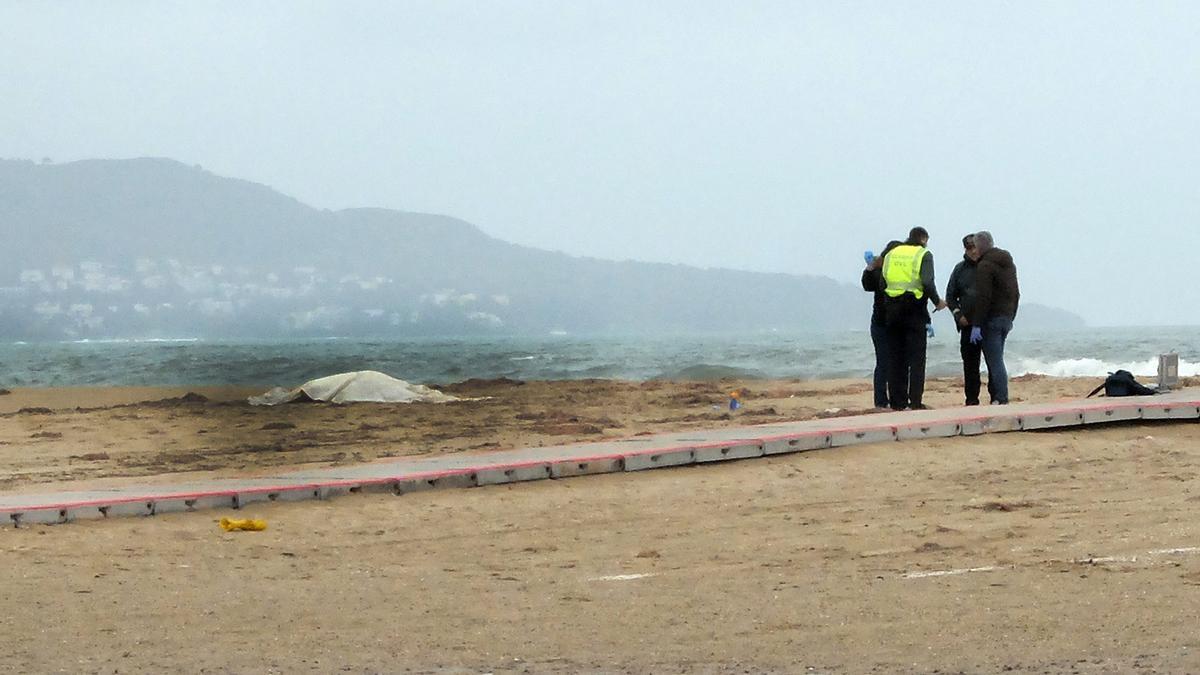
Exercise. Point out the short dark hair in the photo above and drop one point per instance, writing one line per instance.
(917, 233)
(969, 240)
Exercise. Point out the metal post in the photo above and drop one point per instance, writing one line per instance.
(1168, 371)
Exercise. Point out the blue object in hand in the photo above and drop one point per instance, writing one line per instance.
(976, 335)
(928, 330)
(869, 256)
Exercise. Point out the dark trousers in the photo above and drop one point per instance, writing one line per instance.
(995, 332)
(970, 358)
(879, 339)
(906, 318)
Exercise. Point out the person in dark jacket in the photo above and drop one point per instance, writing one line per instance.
(872, 282)
(960, 298)
(908, 283)
(997, 296)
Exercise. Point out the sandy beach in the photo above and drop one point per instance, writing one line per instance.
(1075, 551)
(105, 436)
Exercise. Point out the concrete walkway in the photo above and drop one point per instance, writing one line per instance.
(400, 476)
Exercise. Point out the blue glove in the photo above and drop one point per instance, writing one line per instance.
(976, 335)
(869, 256)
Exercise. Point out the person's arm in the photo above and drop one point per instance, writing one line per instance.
(870, 279)
(953, 292)
(984, 282)
(927, 283)
(1016, 294)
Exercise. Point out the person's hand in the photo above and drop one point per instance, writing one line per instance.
(962, 321)
(976, 335)
(940, 306)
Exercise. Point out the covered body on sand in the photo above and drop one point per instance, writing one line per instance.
(368, 386)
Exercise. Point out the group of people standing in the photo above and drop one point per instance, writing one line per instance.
(982, 295)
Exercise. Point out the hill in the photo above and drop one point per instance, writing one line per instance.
(156, 248)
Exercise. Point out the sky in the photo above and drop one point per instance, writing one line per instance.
(765, 136)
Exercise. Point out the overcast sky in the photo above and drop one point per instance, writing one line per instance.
(769, 136)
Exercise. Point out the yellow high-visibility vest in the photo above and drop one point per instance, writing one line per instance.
(902, 270)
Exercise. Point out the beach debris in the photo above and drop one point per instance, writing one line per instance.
(624, 577)
(1005, 506)
(769, 411)
(243, 524)
(558, 422)
(476, 383)
(735, 399)
(187, 399)
(4, 392)
(368, 386)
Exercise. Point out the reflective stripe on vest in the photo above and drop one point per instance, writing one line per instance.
(902, 271)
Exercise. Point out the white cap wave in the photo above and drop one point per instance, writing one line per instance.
(1095, 367)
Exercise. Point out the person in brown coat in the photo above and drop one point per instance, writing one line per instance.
(997, 296)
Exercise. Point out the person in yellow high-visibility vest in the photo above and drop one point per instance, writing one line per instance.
(908, 284)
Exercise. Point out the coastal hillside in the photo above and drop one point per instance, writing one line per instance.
(148, 248)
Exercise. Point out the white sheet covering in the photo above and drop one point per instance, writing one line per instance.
(359, 386)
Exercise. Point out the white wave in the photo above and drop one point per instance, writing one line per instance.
(126, 341)
(1096, 367)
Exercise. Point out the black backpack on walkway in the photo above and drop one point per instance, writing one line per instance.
(1121, 383)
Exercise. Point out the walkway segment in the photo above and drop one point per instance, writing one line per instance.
(404, 475)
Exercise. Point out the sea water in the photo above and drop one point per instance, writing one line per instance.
(815, 355)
